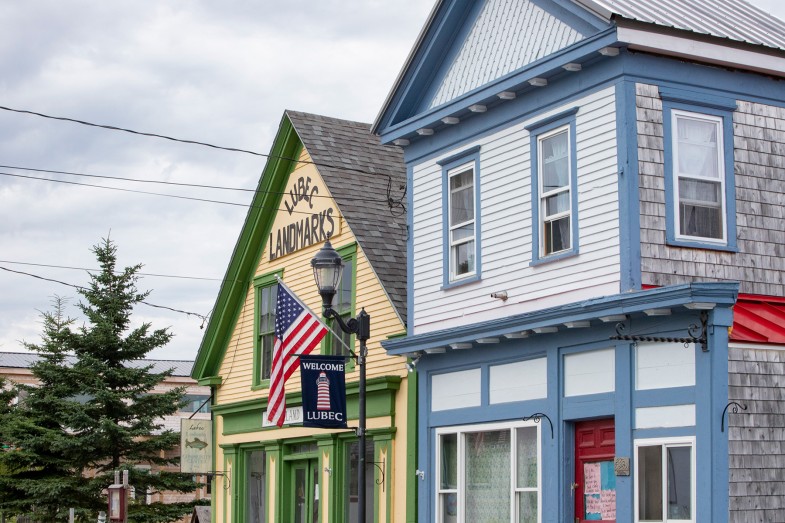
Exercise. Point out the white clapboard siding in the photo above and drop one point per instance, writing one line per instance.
(506, 225)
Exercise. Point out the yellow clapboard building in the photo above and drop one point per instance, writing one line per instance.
(325, 178)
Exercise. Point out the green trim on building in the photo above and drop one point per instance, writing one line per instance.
(210, 381)
(246, 416)
(411, 447)
(265, 280)
(248, 250)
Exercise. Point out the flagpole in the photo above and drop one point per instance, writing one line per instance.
(317, 316)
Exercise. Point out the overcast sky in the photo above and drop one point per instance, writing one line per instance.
(216, 72)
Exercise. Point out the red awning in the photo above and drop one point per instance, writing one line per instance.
(759, 319)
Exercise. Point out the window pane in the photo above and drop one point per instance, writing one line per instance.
(556, 235)
(487, 476)
(527, 507)
(461, 206)
(700, 208)
(461, 233)
(679, 482)
(351, 485)
(267, 356)
(256, 487)
(697, 148)
(527, 457)
(555, 162)
(650, 483)
(449, 507)
(449, 461)
(557, 203)
(463, 258)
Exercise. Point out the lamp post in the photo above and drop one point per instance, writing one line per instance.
(327, 270)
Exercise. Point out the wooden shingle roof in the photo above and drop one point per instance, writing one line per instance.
(363, 177)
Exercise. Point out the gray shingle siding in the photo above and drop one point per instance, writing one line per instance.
(759, 158)
(357, 168)
(756, 437)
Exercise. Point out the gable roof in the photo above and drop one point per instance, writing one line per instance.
(737, 20)
(353, 163)
(365, 179)
(758, 38)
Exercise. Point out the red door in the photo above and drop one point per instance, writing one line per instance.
(595, 479)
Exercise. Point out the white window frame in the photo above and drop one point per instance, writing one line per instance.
(685, 441)
(456, 171)
(543, 196)
(677, 114)
(461, 432)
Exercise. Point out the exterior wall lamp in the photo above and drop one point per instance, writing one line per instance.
(327, 270)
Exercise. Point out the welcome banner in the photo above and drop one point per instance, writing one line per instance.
(324, 391)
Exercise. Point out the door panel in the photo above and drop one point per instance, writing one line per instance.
(305, 487)
(595, 479)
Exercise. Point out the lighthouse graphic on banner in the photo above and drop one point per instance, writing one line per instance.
(322, 392)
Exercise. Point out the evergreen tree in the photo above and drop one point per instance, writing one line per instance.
(94, 411)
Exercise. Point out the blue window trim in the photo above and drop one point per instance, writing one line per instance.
(546, 125)
(462, 158)
(699, 103)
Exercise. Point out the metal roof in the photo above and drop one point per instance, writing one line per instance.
(352, 161)
(732, 19)
(23, 360)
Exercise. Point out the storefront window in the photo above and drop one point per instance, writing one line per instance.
(488, 474)
(665, 480)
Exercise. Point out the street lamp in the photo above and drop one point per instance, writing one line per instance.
(327, 270)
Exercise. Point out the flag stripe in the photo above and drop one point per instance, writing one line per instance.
(297, 331)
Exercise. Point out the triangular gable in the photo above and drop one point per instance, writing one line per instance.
(468, 44)
(354, 171)
(504, 37)
(247, 252)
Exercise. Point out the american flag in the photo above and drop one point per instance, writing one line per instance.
(297, 331)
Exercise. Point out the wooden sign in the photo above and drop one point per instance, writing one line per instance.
(308, 217)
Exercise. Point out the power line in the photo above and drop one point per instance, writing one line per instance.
(392, 203)
(192, 142)
(98, 270)
(200, 316)
(179, 184)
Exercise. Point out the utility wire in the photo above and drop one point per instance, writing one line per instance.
(98, 270)
(192, 142)
(392, 203)
(179, 184)
(200, 316)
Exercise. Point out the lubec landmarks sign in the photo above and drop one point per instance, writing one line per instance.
(308, 217)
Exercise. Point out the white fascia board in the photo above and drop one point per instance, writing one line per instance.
(702, 51)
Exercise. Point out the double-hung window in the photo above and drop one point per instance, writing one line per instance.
(488, 473)
(554, 192)
(700, 190)
(462, 224)
(343, 302)
(665, 480)
(699, 176)
(461, 215)
(265, 295)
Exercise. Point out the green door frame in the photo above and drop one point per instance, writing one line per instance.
(304, 490)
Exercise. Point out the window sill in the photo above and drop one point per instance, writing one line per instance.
(695, 244)
(264, 384)
(555, 257)
(463, 281)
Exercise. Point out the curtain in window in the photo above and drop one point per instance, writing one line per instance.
(700, 200)
(488, 476)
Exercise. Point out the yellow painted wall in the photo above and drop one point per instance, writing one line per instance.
(237, 366)
(236, 369)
